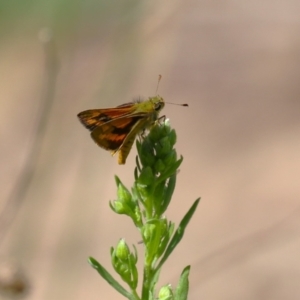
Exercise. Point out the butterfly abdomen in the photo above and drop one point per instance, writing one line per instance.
(124, 151)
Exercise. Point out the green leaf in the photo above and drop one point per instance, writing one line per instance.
(123, 193)
(172, 137)
(158, 198)
(171, 170)
(106, 276)
(178, 233)
(163, 147)
(146, 177)
(117, 180)
(159, 166)
(168, 192)
(183, 285)
(146, 153)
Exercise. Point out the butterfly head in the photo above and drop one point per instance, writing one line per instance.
(158, 103)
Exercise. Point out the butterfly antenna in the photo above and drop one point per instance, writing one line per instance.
(159, 78)
(184, 104)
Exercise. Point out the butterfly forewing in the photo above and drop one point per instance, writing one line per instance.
(95, 117)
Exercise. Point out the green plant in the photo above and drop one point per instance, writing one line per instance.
(146, 203)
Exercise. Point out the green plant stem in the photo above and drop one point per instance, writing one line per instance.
(135, 295)
(146, 282)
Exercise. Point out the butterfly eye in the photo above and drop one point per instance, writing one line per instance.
(158, 106)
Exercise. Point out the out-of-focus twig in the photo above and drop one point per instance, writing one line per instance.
(26, 175)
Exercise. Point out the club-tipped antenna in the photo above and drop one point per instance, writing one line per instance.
(183, 104)
(159, 78)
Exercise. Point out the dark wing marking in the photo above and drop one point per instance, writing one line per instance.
(111, 136)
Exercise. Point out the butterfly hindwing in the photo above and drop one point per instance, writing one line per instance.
(112, 135)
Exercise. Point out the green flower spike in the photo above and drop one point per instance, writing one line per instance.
(155, 179)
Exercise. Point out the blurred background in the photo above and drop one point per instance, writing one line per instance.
(236, 63)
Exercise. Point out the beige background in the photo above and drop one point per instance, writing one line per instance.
(237, 65)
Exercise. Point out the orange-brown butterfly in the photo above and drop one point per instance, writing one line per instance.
(115, 129)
